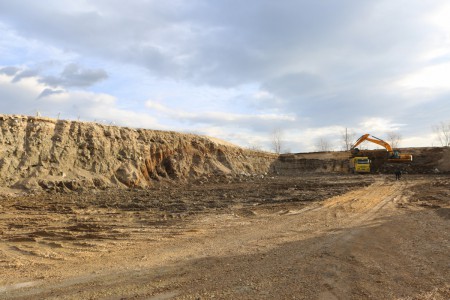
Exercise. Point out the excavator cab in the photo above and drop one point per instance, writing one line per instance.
(395, 154)
(354, 151)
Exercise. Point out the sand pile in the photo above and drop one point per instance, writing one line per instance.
(42, 153)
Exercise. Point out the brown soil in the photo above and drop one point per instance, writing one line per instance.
(309, 237)
(89, 211)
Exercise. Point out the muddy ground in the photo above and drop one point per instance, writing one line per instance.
(307, 237)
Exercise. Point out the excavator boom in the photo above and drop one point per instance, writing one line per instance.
(373, 139)
(394, 155)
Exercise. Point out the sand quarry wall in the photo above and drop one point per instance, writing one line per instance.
(42, 153)
(425, 160)
(316, 162)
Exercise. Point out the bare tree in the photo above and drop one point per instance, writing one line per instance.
(276, 140)
(347, 138)
(442, 131)
(255, 147)
(394, 139)
(323, 144)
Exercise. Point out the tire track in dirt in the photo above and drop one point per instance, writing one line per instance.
(364, 205)
(326, 241)
(354, 211)
(240, 235)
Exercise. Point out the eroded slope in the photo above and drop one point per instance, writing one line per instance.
(56, 154)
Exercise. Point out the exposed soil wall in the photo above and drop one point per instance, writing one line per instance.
(290, 165)
(425, 160)
(42, 153)
(38, 153)
(429, 160)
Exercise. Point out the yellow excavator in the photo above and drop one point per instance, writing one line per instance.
(393, 155)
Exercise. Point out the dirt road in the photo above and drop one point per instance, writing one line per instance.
(321, 237)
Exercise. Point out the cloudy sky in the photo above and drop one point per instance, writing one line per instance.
(235, 70)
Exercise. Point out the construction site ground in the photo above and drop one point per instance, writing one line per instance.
(317, 236)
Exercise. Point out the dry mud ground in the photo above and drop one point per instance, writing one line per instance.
(310, 237)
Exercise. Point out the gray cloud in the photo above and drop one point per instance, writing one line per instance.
(296, 85)
(74, 76)
(222, 43)
(48, 92)
(323, 62)
(25, 74)
(10, 71)
(230, 42)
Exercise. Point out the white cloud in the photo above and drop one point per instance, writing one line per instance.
(434, 77)
(237, 68)
(427, 140)
(220, 118)
(379, 125)
(87, 106)
(439, 17)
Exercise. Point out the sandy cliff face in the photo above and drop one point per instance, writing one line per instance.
(46, 153)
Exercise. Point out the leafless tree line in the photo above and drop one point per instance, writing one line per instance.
(442, 130)
(348, 138)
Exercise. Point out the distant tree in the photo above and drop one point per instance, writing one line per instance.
(277, 140)
(394, 138)
(323, 144)
(347, 138)
(255, 147)
(442, 130)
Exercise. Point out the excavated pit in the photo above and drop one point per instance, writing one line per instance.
(160, 215)
(58, 155)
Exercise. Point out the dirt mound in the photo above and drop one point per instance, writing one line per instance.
(42, 153)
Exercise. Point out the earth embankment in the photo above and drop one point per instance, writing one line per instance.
(49, 154)
(57, 155)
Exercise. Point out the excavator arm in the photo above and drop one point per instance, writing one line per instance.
(394, 155)
(373, 139)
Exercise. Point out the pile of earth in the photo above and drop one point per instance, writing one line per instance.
(40, 153)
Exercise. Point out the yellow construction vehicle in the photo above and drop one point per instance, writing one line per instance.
(393, 155)
(359, 164)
